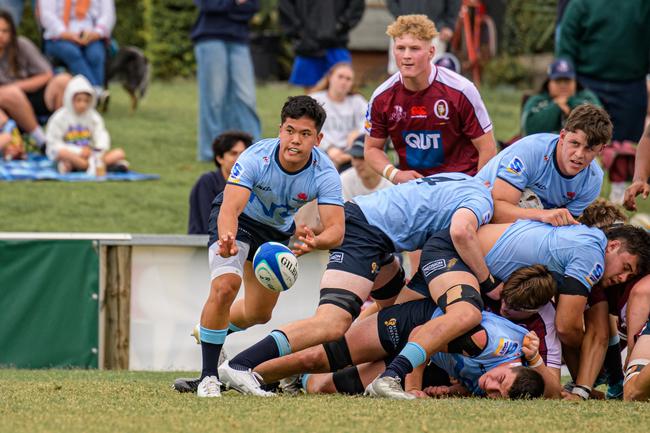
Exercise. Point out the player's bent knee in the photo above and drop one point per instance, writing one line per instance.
(344, 299)
(312, 359)
(461, 293)
(259, 317)
(338, 354)
(348, 381)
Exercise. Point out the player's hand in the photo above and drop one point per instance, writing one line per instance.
(89, 37)
(566, 395)
(530, 346)
(418, 393)
(558, 217)
(437, 391)
(309, 242)
(227, 246)
(72, 37)
(406, 175)
(632, 191)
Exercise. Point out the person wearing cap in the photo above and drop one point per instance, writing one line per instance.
(360, 179)
(561, 92)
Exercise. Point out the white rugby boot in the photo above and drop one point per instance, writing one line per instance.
(388, 387)
(246, 382)
(209, 387)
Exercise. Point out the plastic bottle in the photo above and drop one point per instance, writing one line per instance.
(92, 166)
(100, 167)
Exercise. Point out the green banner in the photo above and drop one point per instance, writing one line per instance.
(49, 294)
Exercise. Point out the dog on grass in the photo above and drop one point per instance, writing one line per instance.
(131, 68)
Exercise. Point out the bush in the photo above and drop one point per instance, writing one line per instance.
(170, 46)
(529, 26)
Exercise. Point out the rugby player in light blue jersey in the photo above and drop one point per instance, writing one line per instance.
(269, 182)
(559, 169)
(378, 225)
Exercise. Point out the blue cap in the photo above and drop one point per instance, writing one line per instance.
(561, 68)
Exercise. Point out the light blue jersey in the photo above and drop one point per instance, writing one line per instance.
(530, 163)
(505, 340)
(276, 195)
(576, 251)
(410, 212)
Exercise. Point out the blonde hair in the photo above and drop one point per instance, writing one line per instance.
(602, 213)
(324, 83)
(417, 25)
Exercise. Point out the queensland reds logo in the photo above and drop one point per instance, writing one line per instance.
(397, 114)
(441, 109)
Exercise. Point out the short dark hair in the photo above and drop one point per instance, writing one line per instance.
(593, 121)
(527, 384)
(602, 213)
(303, 106)
(529, 287)
(634, 240)
(226, 141)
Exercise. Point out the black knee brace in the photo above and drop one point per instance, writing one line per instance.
(338, 354)
(460, 293)
(465, 345)
(391, 288)
(348, 381)
(344, 299)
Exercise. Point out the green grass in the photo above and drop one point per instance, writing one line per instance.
(101, 401)
(161, 138)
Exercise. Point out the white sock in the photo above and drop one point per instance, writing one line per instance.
(38, 135)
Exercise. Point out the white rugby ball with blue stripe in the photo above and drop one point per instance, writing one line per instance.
(275, 266)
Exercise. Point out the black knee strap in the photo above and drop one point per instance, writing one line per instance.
(465, 345)
(344, 299)
(460, 293)
(338, 354)
(391, 288)
(348, 381)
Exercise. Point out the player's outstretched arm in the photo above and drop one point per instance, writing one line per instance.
(487, 148)
(413, 382)
(234, 201)
(463, 234)
(333, 220)
(593, 349)
(530, 348)
(641, 172)
(506, 209)
(637, 385)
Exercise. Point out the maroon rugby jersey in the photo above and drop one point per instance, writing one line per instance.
(431, 129)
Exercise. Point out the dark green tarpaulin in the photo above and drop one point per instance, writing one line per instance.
(49, 304)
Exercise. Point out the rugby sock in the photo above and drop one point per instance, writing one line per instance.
(613, 364)
(272, 346)
(211, 343)
(304, 380)
(234, 328)
(412, 356)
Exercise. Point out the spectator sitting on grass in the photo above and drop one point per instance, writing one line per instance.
(11, 142)
(345, 108)
(28, 88)
(548, 110)
(76, 129)
(226, 148)
(360, 179)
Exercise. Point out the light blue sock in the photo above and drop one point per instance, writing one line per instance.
(304, 380)
(284, 348)
(414, 353)
(234, 328)
(213, 336)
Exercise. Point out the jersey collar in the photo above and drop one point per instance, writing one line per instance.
(276, 157)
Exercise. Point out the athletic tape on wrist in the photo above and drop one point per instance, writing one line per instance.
(581, 391)
(384, 172)
(536, 361)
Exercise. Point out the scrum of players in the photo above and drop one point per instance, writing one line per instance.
(522, 267)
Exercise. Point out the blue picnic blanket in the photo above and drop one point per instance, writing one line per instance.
(37, 167)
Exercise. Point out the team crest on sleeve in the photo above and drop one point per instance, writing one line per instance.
(441, 109)
(516, 166)
(235, 173)
(506, 347)
(596, 274)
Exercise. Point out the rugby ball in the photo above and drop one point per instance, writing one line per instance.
(275, 266)
(529, 200)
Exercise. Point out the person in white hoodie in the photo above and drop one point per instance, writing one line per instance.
(76, 130)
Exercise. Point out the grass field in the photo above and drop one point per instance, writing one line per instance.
(95, 401)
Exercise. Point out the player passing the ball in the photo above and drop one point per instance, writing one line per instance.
(267, 185)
